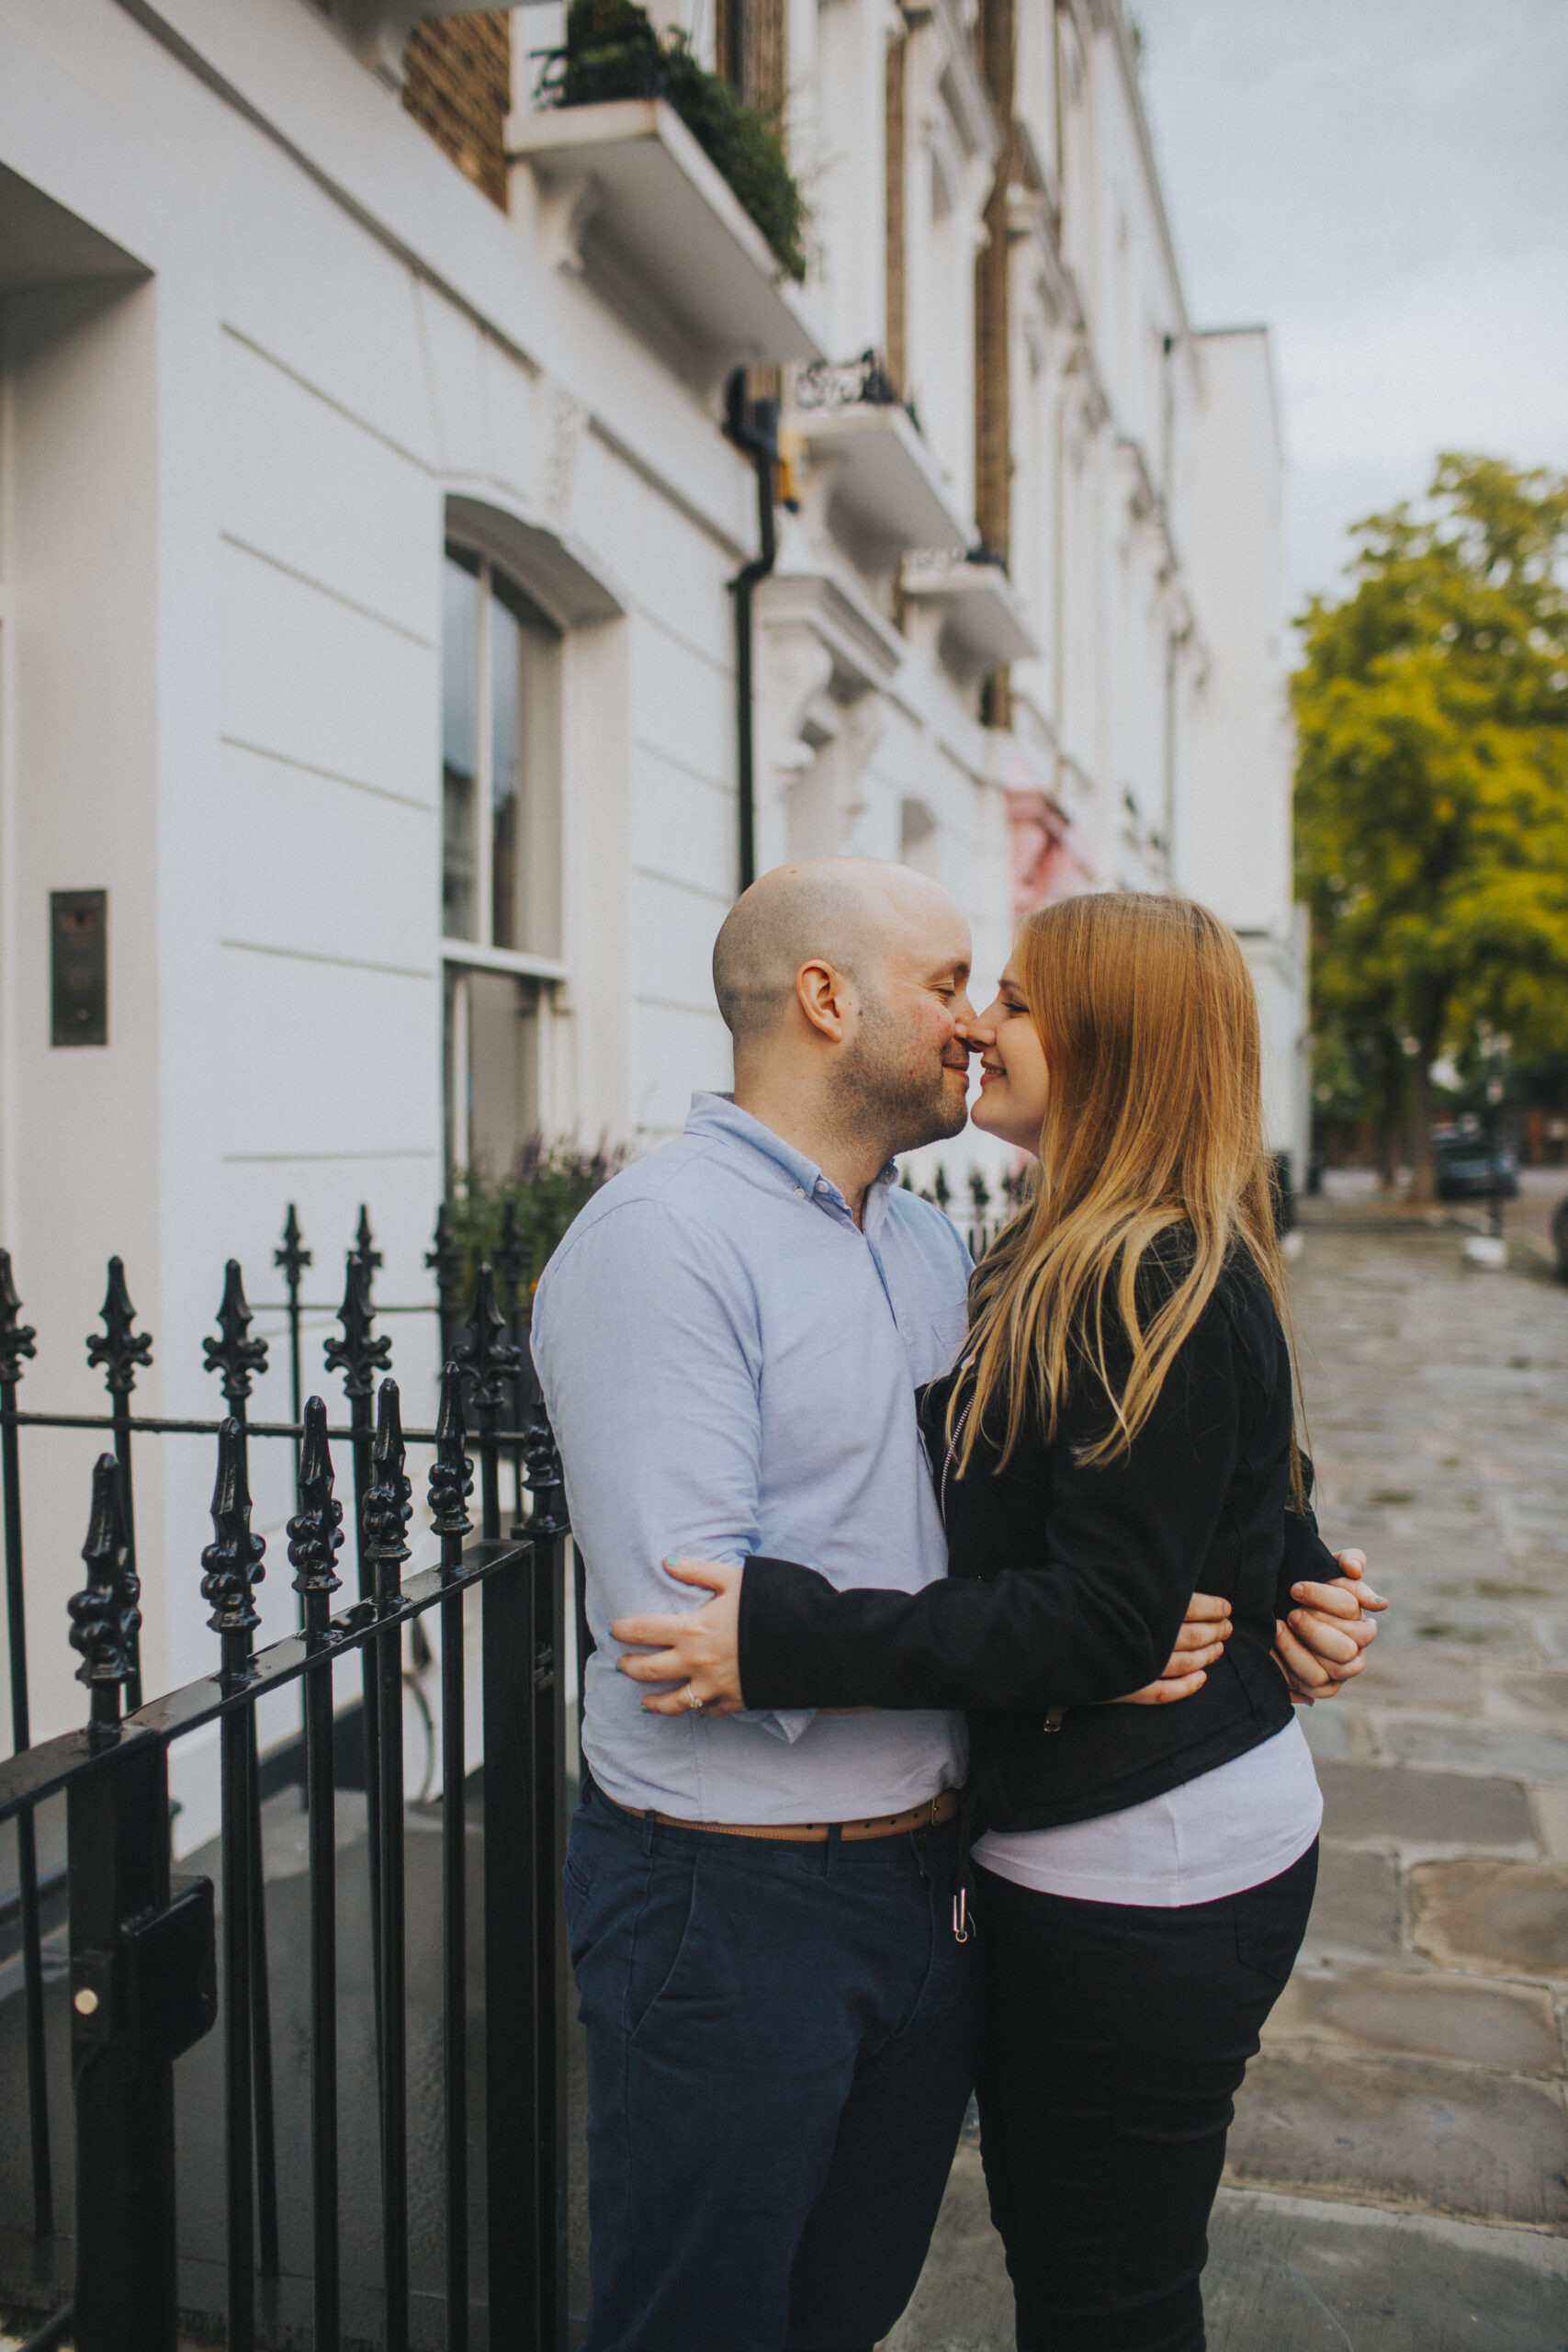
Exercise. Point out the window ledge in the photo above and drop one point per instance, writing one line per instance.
(629, 197)
(884, 473)
(469, 953)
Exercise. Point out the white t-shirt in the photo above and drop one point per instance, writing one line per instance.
(1229, 1829)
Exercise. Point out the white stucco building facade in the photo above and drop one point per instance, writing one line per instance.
(366, 637)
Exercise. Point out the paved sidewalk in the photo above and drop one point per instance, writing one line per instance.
(1396, 2181)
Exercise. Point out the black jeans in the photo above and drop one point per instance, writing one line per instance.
(1112, 2041)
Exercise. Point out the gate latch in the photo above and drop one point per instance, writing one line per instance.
(157, 1990)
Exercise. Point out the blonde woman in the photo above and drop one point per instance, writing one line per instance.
(1119, 1431)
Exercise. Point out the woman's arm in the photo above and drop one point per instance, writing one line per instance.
(1093, 1615)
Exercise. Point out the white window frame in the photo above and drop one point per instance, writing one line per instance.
(463, 955)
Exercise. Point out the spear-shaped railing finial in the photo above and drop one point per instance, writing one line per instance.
(387, 1498)
(451, 1473)
(512, 1258)
(364, 1248)
(232, 1353)
(293, 1257)
(16, 1337)
(445, 1260)
(315, 1533)
(117, 1348)
(104, 1617)
(232, 1561)
(542, 1470)
(488, 1357)
(360, 1354)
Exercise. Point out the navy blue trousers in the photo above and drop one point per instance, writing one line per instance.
(780, 2053)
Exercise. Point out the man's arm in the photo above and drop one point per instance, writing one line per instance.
(650, 1369)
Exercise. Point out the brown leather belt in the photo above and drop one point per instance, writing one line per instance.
(929, 1815)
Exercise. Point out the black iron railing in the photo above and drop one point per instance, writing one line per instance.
(144, 1979)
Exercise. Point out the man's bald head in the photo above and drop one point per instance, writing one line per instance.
(846, 912)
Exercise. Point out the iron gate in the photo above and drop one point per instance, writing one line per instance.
(156, 1961)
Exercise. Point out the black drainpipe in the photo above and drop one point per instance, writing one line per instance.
(753, 427)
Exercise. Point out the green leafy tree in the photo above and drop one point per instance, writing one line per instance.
(1432, 791)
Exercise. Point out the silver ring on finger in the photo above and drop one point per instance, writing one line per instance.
(692, 1702)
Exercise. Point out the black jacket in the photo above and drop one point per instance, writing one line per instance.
(1066, 1585)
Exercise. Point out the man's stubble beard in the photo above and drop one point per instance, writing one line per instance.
(882, 1091)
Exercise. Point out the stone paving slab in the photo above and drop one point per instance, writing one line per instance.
(1358, 1907)
(1290, 2274)
(1490, 1748)
(1285, 2274)
(1410, 2132)
(1503, 1915)
(1418, 1677)
(1363, 1803)
(1512, 2027)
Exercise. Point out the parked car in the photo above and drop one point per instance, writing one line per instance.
(1467, 1169)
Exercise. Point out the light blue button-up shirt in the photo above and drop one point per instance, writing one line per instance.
(730, 1367)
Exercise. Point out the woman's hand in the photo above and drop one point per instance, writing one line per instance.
(1325, 1642)
(699, 1650)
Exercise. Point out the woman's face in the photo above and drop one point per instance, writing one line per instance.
(1014, 1081)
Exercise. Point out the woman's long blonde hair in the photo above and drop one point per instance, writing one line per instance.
(1153, 1120)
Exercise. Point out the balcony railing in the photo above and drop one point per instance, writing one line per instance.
(979, 611)
(880, 469)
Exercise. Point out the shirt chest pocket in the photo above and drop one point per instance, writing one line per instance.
(933, 1341)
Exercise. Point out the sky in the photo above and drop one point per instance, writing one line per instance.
(1384, 183)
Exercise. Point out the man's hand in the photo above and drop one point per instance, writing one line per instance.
(1200, 1645)
(1324, 1641)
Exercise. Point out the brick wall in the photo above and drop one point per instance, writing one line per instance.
(753, 53)
(457, 86)
(895, 358)
(996, 35)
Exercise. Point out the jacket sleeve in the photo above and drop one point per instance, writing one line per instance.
(1307, 1558)
(1091, 1616)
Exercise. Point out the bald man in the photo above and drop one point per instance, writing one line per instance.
(760, 1905)
(729, 1340)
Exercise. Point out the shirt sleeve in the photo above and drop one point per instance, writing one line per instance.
(649, 1360)
(1091, 1617)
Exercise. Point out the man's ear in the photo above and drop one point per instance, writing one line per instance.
(825, 997)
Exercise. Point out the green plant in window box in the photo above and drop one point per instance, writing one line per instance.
(613, 52)
(547, 1184)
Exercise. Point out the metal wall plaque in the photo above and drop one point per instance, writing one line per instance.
(79, 967)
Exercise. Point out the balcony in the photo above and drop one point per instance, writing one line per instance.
(975, 608)
(875, 461)
(631, 200)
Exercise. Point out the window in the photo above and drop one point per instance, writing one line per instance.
(501, 858)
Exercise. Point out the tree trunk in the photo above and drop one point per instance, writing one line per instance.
(1390, 1097)
(1423, 1160)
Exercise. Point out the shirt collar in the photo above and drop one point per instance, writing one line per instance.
(719, 1114)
